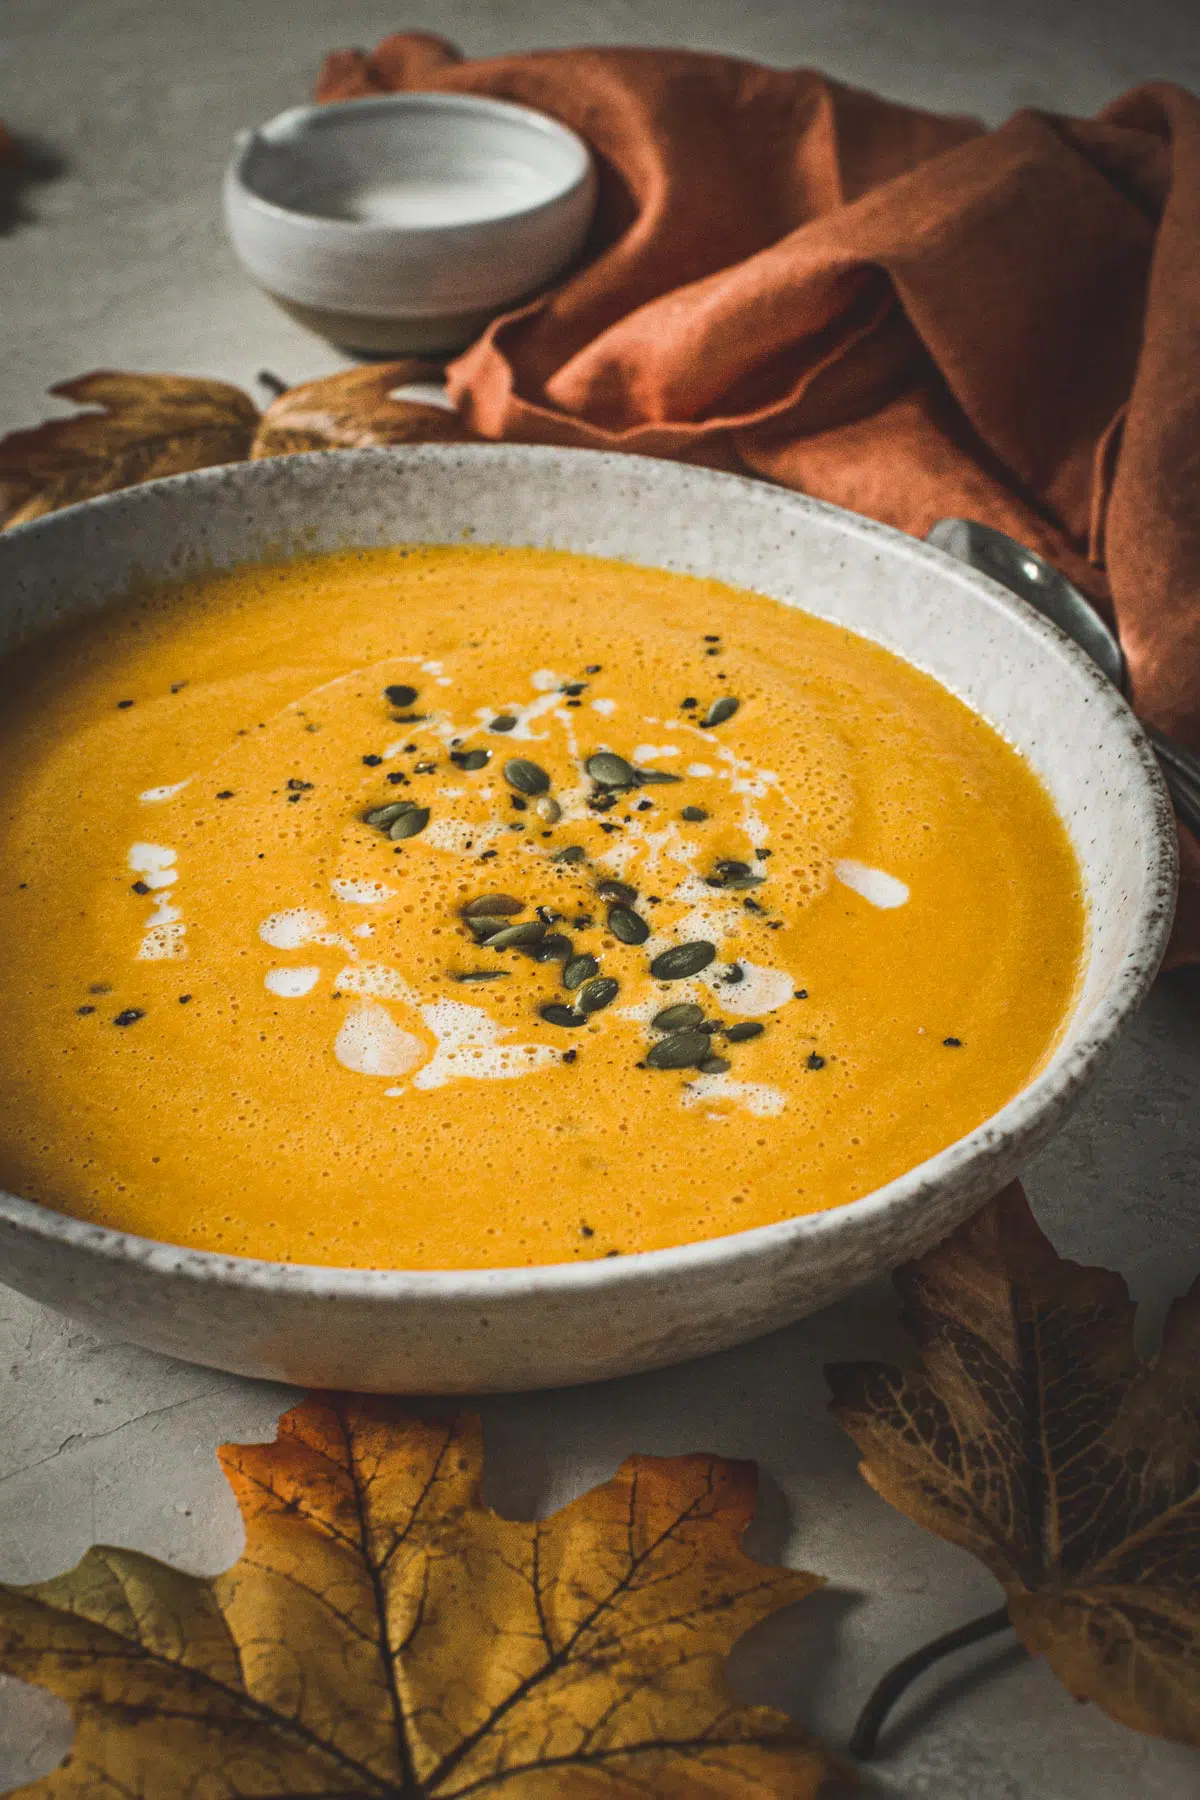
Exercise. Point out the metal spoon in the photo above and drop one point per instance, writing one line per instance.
(1031, 577)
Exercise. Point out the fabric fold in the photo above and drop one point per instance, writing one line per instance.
(904, 313)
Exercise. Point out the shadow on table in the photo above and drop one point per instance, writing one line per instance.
(36, 163)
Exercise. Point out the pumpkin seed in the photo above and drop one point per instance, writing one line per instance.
(654, 777)
(714, 1065)
(384, 816)
(609, 770)
(485, 926)
(571, 853)
(557, 1014)
(410, 823)
(598, 993)
(399, 694)
(720, 710)
(548, 809)
(482, 975)
(555, 948)
(493, 906)
(684, 1015)
(741, 1034)
(628, 926)
(527, 777)
(735, 875)
(503, 722)
(580, 969)
(617, 890)
(682, 1050)
(695, 815)
(530, 931)
(682, 960)
(471, 760)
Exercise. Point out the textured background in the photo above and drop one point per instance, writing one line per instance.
(119, 260)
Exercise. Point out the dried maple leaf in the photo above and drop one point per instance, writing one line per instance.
(147, 425)
(355, 409)
(1039, 1440)
(384, 1634)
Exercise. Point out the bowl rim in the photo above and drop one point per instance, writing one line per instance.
(418, 101)
(1020, 1125)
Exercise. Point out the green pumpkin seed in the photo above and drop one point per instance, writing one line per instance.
(654, 777)
(714, 1065)
(410, 823)
(683, 1016)
(548, 809)
(682, 1050)
(682, 960)
(485, 926)
(557, 1014)
(735, 875)
(471, 760)
(720, 710)
(555, 948)
(527, 777)
(580, 969)
(571, 853)
(609, 770)
(503, 722)
(695, 815)
(531, 931)
(482, 975)
(399, 694)
(596, 994)
(384, 816)
(741, 1034)
(628, 926)
(617, 890)
(499, 906)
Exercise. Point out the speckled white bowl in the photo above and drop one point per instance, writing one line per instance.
(404, 222)
(516, 1328)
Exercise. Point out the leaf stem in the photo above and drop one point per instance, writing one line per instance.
(873, 1717)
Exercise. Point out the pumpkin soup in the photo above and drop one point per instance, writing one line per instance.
(443, 908)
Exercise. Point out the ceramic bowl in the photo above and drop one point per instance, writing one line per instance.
(406, 221)
(532, 1327)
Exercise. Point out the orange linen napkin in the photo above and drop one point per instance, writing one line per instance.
(904, 313)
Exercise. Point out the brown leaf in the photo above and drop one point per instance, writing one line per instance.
(1038, 1439)
(147, 425)
(384, 1634)
(355, 409)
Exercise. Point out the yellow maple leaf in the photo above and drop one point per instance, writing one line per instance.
(384, 1634)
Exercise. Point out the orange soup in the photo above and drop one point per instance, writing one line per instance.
(448, 908)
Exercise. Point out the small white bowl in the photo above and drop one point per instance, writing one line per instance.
(406, 221)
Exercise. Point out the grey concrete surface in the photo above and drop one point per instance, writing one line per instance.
(119, 260)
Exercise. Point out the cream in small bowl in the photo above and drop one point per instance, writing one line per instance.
(405, 222)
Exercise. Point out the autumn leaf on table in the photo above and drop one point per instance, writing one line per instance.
(356, 409)
(1038, 1439)
(146, 426)
(384, 1634)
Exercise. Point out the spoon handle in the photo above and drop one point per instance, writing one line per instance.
(1040, 584)
(1182, 773)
